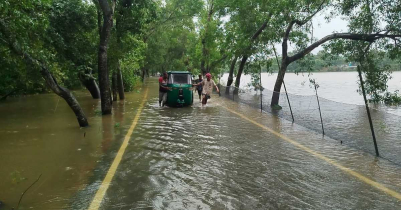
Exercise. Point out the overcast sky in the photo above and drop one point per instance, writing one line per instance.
(321, 29)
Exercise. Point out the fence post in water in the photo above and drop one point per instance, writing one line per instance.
(233, 93)
(260, 88)
(288, 100)
(318, 103)
(219, 85)
(367, 110)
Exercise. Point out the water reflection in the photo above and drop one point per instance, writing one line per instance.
(39, 135)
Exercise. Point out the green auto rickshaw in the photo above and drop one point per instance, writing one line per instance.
(180, 85)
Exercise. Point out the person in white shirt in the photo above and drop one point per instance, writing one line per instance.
(207, 88)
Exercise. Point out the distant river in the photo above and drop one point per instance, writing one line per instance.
(335, 86)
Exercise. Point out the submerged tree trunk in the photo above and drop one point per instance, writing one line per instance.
(104, 81)
(143, 74)
(114, 85)
(90, 83)
(230, 74)
(240, 70)
(278, 84)
(120, 83)
(203, 68)
(50, 80)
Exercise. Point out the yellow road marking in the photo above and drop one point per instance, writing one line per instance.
(324, 158)
(97, 200)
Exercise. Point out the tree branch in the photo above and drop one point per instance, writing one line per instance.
(214, 63)
(259, 31)
(348, 36)
(299, 23)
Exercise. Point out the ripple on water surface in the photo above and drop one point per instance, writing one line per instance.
(206, 158)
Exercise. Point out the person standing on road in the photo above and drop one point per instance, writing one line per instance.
(207, 88)
(163, 89)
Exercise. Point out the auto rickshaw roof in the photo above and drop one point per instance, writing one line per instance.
(179, 72)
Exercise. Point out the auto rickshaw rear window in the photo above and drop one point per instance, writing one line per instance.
(180, 79)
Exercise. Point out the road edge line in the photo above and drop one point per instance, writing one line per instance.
(101, 192)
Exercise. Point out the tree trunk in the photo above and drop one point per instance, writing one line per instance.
(104, 81)
(230, 75)
(92, 87)
(50, 80)
(90, 83)
(203, 69)
(240, 70)
(204, 49)
(120, 83)
(279, 82)
(114, 85)
(143, 74)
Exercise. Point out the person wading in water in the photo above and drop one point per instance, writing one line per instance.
(163, 89)
(207, 86)
(199, 87)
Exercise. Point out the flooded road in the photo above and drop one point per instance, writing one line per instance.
(223, 156)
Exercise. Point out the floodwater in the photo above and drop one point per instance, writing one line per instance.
(335, 86)
(39, 135)
(188, 158)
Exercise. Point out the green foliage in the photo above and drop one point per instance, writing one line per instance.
(376, 59)
(72, 35)
(392, 98)
(62, 34)
(26, 20)
(132, 61)
(158, 35)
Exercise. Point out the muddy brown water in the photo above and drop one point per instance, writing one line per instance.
(189, 158)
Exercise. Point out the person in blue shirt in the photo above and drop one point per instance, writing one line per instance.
(199, 88)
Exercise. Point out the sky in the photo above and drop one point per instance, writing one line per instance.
(321, 29)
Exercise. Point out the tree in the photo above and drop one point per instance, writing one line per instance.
(131, 19)
(248, 19)
(72, 33)
(375, 59)
(105, 94)
(246, 55)
(171, 37)
(304, 50)
(211, 35)
(13, 26)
